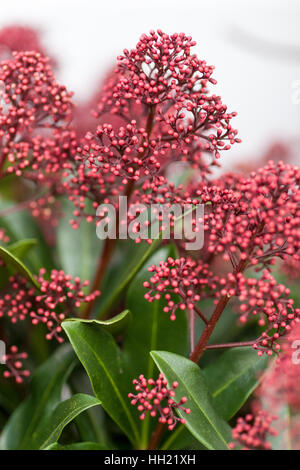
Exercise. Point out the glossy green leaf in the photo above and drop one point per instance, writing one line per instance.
(46, 389)
(114, 325)
(232, 378)
(18, 249)
(78, 250)
(9, 397)
(15, 264)
(110, 379)
(21, 225)
(49, 429)
(91, 425)
(203, 422)
(181, 438)
(22, 247)
(151, 329)
(77, 446)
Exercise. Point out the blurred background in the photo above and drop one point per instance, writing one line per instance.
(254, 45)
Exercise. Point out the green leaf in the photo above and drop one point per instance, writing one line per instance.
(15, 264)
(114, 325)
(77, 446)
(19, 250)
(181, 438)
(91, 424)
(203, 422)
(9, 397)
(151, 329)
(46, 388)
(49, 430)
(232, 378)
(78, 250)
(20, 225)
(21, 247)
(102, 360)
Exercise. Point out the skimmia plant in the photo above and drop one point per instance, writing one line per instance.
(164, 345)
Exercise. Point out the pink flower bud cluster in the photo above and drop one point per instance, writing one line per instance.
(263, 223)
(184, 282)
(35, 116)
(158, 400)
(252, 431)
(14, 365)
(266, 299)
(161, 70)
(183, 277)
(153, 111)
(291, 268)
(281, 382)
(127, 153)
(32, 99)
(56, 299)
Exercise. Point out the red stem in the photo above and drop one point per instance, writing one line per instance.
(156, 436)
(241, 344)
(208, 330)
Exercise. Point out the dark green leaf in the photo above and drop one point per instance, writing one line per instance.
(49, 430)
(181, 438)
(18, 249)
(105, 367)
(151, 329)
(46, 388)
(21, 247)
(16, 265)
(78, 250)
(114, 325)
(203, 422)
(20, 225)
(77, 446)
(90, 424)
(232, 378)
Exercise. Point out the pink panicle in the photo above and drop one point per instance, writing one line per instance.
(281, 384)
(57, 298)
(252, 431)
(154, 110)
(162, 70)
(158, 400)
(266, 299)
(261, 219)
(14, 365)
(184, 277)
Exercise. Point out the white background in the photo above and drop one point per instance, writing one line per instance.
(254, 44)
